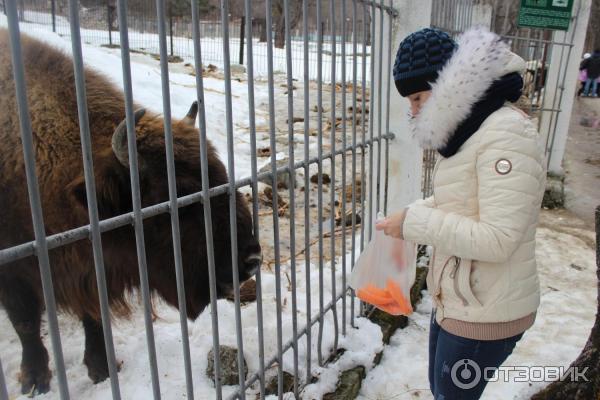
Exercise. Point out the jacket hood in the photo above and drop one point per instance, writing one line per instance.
(481, 58)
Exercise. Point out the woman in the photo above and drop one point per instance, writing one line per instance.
(487, 190)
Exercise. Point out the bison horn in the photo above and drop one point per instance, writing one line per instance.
(190, 117)
(119, 138)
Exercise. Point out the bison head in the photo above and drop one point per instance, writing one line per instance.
(114, 198)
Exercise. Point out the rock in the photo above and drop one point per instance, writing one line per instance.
(315, 178)
(263, 152)
(229, 365)
(419, 285)
(348, 385)
(282, 176)
(237, 69)
(388, 323)
(554, 195)
(266, 197)
(272, 384)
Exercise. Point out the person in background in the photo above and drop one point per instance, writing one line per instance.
(592, 66)
(488, 185)
(582, 74)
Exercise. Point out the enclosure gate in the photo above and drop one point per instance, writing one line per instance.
(361, 146)
(540, 52)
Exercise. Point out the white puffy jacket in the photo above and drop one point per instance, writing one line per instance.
(482, 217)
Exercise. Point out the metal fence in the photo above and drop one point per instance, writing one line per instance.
(538, 49)
(352, 141)
(99, 26)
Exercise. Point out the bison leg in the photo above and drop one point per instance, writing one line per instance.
(94, 356)
(24, 310)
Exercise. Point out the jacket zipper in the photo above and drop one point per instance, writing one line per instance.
(435, 168)
(454, 276)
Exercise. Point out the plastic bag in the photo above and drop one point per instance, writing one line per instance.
(385, 272)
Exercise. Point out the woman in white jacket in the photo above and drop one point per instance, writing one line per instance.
(488, 186)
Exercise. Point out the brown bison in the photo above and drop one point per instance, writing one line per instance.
(53, 108)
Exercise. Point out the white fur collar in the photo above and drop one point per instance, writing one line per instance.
(480, 59)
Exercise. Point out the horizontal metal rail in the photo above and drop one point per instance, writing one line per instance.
(390, 10)
(250, 381)
(61, 239)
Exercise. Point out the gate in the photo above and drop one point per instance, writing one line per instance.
(346, 161)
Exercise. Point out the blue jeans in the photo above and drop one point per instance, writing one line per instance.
(594, 84)
(455, 362)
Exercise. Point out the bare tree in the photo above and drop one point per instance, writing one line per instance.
(279, 17)
(589, 358)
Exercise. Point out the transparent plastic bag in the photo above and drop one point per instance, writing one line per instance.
(385, 272)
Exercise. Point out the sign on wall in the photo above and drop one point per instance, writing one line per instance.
(546, 14)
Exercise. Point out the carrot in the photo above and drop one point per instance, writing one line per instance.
(369, 297)
(396, 292)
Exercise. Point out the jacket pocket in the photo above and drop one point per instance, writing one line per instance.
(461, 278)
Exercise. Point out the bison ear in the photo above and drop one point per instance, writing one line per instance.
(190, 117)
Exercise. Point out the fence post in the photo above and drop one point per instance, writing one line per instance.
(53, 10)
(109, 21)
(171, 29)
(406, 158)
(482, 15)
(242, 27)
(562, 84)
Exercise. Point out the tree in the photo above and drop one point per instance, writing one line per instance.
(279, 18)
(589, 357)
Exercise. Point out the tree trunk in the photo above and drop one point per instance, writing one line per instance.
(280, 33)
(589, 358)
(263, 30)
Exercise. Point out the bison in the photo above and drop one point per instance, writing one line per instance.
(53, 108)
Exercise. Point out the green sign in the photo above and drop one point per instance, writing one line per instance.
(546, 14)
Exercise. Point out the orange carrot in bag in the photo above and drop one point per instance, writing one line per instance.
(396, 292)
(368, 296)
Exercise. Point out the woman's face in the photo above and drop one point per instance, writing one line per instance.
(417, 100)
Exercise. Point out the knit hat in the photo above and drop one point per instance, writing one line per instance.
(419, 58)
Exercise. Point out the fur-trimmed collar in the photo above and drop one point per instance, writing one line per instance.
(480, 59)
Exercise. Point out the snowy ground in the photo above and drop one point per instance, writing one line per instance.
(212, 48)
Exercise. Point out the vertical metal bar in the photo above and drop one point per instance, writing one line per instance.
(379, 107)
(387, 112)
(242, 32)
(343, 196)
(136, 197)
(37, 217)
(307, 221)
(232, 194)
(292, 188)
(255, 216)
(172, 185)
(206, 198)
(332, 172)
(109, 21)
(320, 173)
(363, 130)
(273, 142)
(354, 79)
(372, 104)
(53, 11)
(90, 187)
(3, 390)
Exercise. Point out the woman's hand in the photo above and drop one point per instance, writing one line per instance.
(392, 225)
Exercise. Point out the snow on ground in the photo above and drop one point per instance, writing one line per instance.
(212, 48)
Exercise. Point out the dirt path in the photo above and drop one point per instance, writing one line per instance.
(582, 160)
